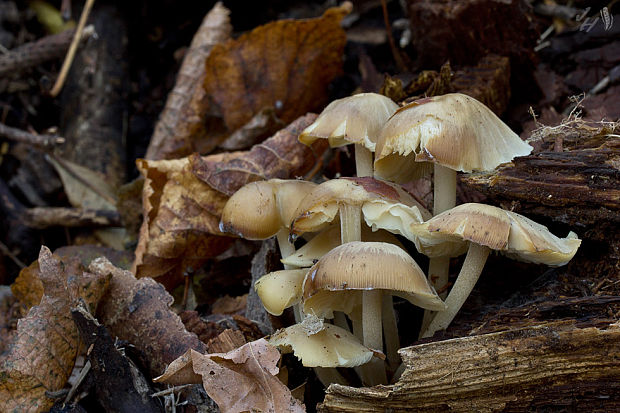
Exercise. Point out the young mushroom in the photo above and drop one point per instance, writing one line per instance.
(260, 210)
(489, 228)
(354, 120)
(340, 279)
(454, 132)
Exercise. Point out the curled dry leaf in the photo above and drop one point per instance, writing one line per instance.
(181, 128)
(183, 199)
(241, 380)
(139, 311)
(43, 353)
(281, 156)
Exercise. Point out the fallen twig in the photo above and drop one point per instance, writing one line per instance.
(19, 135)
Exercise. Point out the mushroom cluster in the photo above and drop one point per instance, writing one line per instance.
(351, 265)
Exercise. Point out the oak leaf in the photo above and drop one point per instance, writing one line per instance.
(43, 354)
(241, 380)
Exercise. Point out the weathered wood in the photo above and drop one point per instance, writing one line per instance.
(45, 217)
(579, 186)
(550, 366)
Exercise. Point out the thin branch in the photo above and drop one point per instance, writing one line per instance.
(19, 135)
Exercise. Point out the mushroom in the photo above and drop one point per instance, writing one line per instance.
(331, 346)
(489, 228)
(355, 119)
(279, 290)
(342, 278)
(262, 209)
(456, 133)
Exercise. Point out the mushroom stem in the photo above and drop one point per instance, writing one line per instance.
(373, 337)
(329, 375)
(390, 331)
(444, 189)
(287, 249)
(467, 278)
(438, 269)
(363, 161)
(350, 223)
(350, 230)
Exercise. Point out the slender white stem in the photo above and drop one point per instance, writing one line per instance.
(350, 223)
(286, 248)
(470, 272)
(438, 271)
(444, 189)
(373, 335)
(363, 161)
(340, 320)
(329, 375)
(390, 331)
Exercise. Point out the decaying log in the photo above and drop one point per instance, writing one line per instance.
(549, 366)
(579, 186)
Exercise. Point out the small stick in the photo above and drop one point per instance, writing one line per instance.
(64, 70)
(6, 251)
(388, 27)
(19, 135)
(45, 217)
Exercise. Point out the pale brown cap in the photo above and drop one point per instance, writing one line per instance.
(337, 280)
(320, 207)
(279, 290)
(505, 231)
(354, 119)
(453, 130)
(258, 210)
(331, 346)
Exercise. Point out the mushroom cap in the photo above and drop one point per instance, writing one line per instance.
(328, 239)
(258, 210)
(337, 280)
(508, 232)
(279, 290)
(320, 207)
(332, 346)
(354, 119)
(453, 130)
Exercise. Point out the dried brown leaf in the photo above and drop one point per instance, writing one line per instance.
(286, 64)
(28, 288)
(183, 199)
(281, 156)
(240, 380)
(181, 128)
(179, 221)
(139, 311)
(43, 353)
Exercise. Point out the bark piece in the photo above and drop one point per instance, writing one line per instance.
(42, 217)
(265, 261)
(119, 384)
(464, 31)
(539, 367)
(579, 186)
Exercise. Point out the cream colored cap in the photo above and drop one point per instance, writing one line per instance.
(354, 119)
(505, 231)
(332, 346)
(320, 206)
(258, 210)
(453, 130)
(337, 280)
(279, 290)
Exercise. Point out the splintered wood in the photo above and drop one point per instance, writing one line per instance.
(547, 365)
